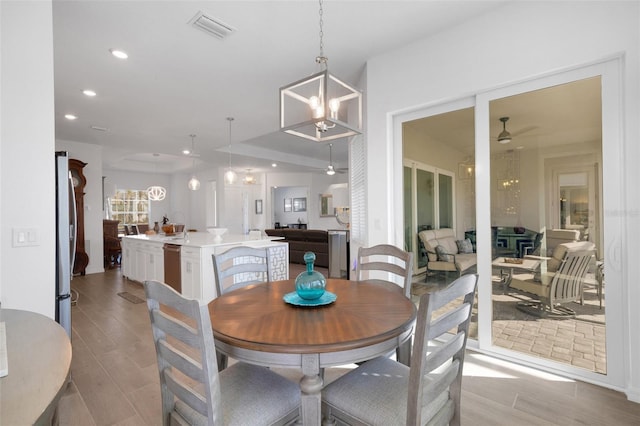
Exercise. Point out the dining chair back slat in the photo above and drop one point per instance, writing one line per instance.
(387, 261)
(165, 330)
(193, 391)
(383, 391)
(240, 266)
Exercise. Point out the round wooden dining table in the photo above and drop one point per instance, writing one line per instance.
(39, 361)
(255, 325)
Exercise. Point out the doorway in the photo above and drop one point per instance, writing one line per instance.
(534, 190)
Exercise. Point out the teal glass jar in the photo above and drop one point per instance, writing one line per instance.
(310, 284)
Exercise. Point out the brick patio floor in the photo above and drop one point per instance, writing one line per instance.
(579, 342)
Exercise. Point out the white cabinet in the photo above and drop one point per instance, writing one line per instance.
(190, 272)
(125, 260)
(142, 260)
(153, 262)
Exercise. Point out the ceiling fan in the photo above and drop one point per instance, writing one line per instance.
(331, 170)
(505, 136)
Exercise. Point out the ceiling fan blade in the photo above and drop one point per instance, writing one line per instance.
(523, 131)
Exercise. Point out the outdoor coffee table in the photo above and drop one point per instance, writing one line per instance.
(509, 265)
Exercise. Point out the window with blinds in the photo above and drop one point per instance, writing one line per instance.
(358, 169)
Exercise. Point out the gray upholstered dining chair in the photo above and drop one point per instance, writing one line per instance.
(239, 267)
(385, 262)
(236, 268)
(386, 392)
(193, 392)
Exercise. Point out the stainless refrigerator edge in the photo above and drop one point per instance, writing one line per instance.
(65, 240)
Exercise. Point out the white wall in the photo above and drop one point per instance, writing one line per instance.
(316, 184)
(27, 163)
(511, 44)
(282, 193)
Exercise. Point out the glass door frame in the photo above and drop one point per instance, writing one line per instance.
(611, 138)
(617, 344)
(414, 166)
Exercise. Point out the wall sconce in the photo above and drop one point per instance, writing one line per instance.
(466, 171)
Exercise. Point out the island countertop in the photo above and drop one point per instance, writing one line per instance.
(189, 266)
(204, 239)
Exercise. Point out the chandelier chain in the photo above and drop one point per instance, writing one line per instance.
(230, 119)
(193, 160)
(321, 31)
(321, 59)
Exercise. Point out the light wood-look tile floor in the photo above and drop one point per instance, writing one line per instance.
(115, 379)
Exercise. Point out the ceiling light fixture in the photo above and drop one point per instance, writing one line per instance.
(230, 176)
(330, 170)
(70, 116)
(320, 107)
(249, 179)
(156, 192)
(274, 165)
(89, 92)
(120, 54)
(504, 136)
(194, 183)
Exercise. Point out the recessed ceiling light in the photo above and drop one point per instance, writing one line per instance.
(274, 165)
(70, 116)
(186, 151)
(120, 54)
(89, 92)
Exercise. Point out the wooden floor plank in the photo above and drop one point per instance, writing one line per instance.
(115, 378)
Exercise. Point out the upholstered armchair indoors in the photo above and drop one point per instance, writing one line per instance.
(445, 253)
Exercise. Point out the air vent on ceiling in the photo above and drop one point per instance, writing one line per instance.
(212, 26)
(98, 128)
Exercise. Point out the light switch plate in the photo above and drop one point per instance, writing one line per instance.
(25, 237)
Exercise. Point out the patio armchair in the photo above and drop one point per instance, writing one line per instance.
(561, 283)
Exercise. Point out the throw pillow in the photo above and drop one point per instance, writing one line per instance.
(443, 256)
(464, 246)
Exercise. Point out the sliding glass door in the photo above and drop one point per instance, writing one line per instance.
(549, 178)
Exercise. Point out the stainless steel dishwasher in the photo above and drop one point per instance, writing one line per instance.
(172, 273)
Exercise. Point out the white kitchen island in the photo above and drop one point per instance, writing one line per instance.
(143, 258)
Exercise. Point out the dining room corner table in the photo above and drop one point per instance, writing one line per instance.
(255, 325)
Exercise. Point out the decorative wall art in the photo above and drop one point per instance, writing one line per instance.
(326, 205)
(299, 205)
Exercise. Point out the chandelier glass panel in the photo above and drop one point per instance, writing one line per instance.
(156, 192)
(194, 183)
(230, 176)
(320, 107)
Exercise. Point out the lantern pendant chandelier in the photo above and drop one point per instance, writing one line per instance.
(155, 192)
(230, 176)
(194, 183)
(320, 107)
